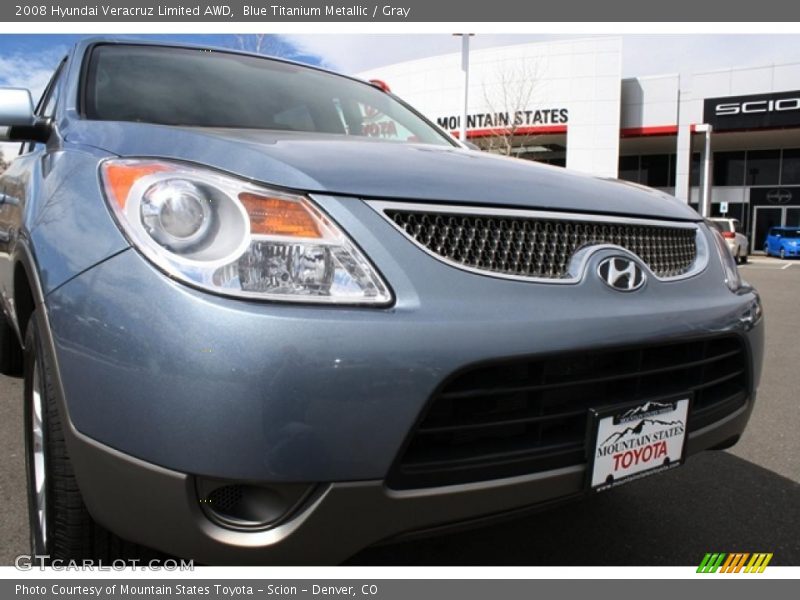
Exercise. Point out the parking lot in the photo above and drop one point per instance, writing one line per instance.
(746, 499)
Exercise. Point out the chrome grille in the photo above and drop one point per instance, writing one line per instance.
(542, 247)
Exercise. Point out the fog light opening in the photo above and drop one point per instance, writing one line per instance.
(250, 506)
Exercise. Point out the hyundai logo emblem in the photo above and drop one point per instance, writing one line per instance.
(621, 274)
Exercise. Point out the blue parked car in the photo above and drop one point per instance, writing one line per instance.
(783, 242)
(266, 313)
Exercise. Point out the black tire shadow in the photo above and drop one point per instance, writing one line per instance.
(715, 503)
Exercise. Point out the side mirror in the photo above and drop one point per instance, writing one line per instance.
(16, 107)
(17, 121)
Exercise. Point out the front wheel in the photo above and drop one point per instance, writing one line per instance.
(38, 492)
(60, 525)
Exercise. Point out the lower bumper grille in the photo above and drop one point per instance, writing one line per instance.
(525, 416)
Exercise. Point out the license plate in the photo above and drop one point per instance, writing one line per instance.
(637, 441)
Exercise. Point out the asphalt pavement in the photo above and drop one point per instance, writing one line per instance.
(746, 499)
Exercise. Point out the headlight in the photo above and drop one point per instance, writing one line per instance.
(235, 238)
(732, 278)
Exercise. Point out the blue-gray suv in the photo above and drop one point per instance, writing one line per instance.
(266, 313)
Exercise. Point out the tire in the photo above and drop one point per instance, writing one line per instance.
(60, 525)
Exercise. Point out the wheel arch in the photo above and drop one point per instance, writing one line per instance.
(24, 297)
(24, 302)
(27, 293)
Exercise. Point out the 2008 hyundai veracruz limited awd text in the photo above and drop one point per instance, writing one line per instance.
(270, 314)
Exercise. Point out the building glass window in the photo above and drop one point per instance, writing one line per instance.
(790, 171)
(655, 170)
(694, 170)
(729, 168)
(763, 167)
(672, 164)
(629, 168)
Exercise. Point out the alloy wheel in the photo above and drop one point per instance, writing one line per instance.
(39, 471)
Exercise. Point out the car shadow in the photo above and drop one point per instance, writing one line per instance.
(716, 502)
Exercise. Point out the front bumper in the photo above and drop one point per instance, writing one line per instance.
(185, 384)
(159, 508)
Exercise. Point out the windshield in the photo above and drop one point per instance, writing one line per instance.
(202, 88)
(789, 233)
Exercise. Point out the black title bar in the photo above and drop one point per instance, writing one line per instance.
(267, 11)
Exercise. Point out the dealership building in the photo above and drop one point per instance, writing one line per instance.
(565, 103)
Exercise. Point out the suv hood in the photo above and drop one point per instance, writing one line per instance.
(372, 168)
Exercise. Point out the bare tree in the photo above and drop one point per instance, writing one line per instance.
(3, 162)
(259, 43)
(510, 98)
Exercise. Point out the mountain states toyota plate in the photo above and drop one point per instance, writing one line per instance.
(636, 441)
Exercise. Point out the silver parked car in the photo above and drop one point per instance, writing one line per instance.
(270, 314)
(731, 230)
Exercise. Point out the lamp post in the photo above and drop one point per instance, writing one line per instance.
(462, 132)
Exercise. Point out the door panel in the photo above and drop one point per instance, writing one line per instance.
(765, 217)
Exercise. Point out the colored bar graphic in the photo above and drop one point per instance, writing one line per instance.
(734, 562)
(711, 562)
(727, 565)
(758, 563)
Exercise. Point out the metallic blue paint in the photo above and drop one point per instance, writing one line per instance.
(374, 168)
(209, 385)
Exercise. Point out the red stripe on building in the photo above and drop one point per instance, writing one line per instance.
(654, 130)
(529, 130)
(646, 131)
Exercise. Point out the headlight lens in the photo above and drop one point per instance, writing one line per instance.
(732, 278)
(176, 213)
(235, 238)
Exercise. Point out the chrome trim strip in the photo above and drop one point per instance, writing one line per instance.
(577, 266)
